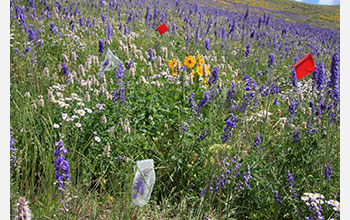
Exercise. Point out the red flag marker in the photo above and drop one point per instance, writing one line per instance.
(162, 29)
(304, 66)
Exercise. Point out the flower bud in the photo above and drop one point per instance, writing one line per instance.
(310, 111)
(304, 124)
(27, 94)
(65, 58)
(104, 119)
(46, 72)
(87, 96)
(41, 103)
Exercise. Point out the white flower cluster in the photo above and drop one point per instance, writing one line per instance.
(315, 202)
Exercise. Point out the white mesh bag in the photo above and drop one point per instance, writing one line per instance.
(110, 62)
(143, 182)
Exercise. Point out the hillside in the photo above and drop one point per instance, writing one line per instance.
(325, 16)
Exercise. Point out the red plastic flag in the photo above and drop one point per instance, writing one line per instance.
(304, 66)
(162, 29)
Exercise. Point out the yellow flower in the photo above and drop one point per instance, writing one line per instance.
(172, 63)
(199, 70)
(200, 59)
(205, 81)
(193, 73)
(190, 61)
(174, 74)
(207, 70)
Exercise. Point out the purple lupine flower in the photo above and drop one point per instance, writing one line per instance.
(109, 30)
(119, 73)
(319, 76)
(204, 134)
(207, 46)
(333, 83)
(65, 71)
(150, 55)
(291, 183)
(275, 102)
(121, 94)
(53, 28)
(193, 105)
(276, 196)
(243, 106)
(12, 150)
(81, 22)
(27, 50)
(204, 100)
(101, 47)
(61, 166)
(128, 64)
(18, 52)
(292, 107)
(103, 17)
(173, 30)
(246, 14)
(129, 18)
(294, 78)
(257, 141)
(271, 59)
(263, 90)
(230, 95)
(312, 105)
(214, 76)
(327, 171)
(230, 124)
(296, 136)
(274, 88)
(247, 177)
(247, 52)
(202, 192)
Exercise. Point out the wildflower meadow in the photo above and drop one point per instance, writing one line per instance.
(211, 107)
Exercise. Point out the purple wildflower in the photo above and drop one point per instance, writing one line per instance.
(276, 196)
(205, 99)
(61, 165)
(101, 47)
(291, 183)
(12, 150)
(257, 141)
(207, 46)
(214, 76)
(18, 52)
(65, 71)
(271, 59)
(150, 55)
(296, 136)
(327, 171)
(193, 105)
(230, 124)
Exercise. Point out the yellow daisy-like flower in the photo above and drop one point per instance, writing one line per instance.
(193, 73)
(205, 81)
(200, 59)
(199, 70)
(190, 61)
(172, 63)
(174, 74)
